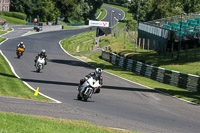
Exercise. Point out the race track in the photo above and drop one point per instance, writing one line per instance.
(121, 104)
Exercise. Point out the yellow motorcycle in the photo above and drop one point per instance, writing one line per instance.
(20, 52)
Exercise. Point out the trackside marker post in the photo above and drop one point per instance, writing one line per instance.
(36, 92)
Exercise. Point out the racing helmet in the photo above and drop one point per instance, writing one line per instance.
(21, 43)
(43, 51)
(98, 71)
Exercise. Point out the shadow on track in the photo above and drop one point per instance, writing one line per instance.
(84, 101)
(76, 84)
(71, 62)
(36, 71)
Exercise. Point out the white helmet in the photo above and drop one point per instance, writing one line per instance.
(98, 71)
(43, 51)
(21, 43)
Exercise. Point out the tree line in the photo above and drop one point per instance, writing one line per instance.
(82, 10)
(156, 9)
(49, 10)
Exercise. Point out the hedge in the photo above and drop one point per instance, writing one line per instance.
(15, 15)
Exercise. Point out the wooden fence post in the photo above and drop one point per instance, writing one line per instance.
(139, 42)
(143, 43)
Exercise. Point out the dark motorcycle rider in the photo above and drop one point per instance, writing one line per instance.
(20, 45)
(95, 75)
(42, 54)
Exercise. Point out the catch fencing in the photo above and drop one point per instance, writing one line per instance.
(174, 78)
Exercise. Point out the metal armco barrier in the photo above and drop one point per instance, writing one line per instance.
(174, 78)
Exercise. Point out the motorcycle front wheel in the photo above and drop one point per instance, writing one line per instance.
(38, 69)
(18, 55)
(85, 98)
(79, 97)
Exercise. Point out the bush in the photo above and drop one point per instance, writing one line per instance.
(15, 15)
(12, 20)
(131, 24)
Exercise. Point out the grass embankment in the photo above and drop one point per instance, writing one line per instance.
(17, 123)
(184, 64)
(69, 27)
(12, 20)
(116, 44)
(79, 43)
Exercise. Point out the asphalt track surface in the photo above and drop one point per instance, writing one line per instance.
(114, 14)
(121, 104)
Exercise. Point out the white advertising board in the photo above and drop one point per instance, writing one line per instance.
(99, 23)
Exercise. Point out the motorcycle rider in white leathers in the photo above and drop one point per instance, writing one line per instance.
(95, 75)
(43, 55)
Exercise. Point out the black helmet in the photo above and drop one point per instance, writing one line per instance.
(98, 71)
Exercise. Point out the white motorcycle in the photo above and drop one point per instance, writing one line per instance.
(40, 64)
(87, 89)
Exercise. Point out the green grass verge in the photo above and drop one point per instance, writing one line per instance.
(102, 15)
(98, 11)
(11, 85)
(9, 29)
(184, 64)
(79, 43)
(71, 27)
(17, 123)
(95, 60)
(12, 20)
(2, 32)
(2, 39)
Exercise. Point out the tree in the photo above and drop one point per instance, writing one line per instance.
(191, 6)
(85, 10)
(143, 6)
(66, 7)
(48, 11)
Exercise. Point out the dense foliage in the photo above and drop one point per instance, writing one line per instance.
(82, 10)
(15, 15)
(156, 9)
(49, 10)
